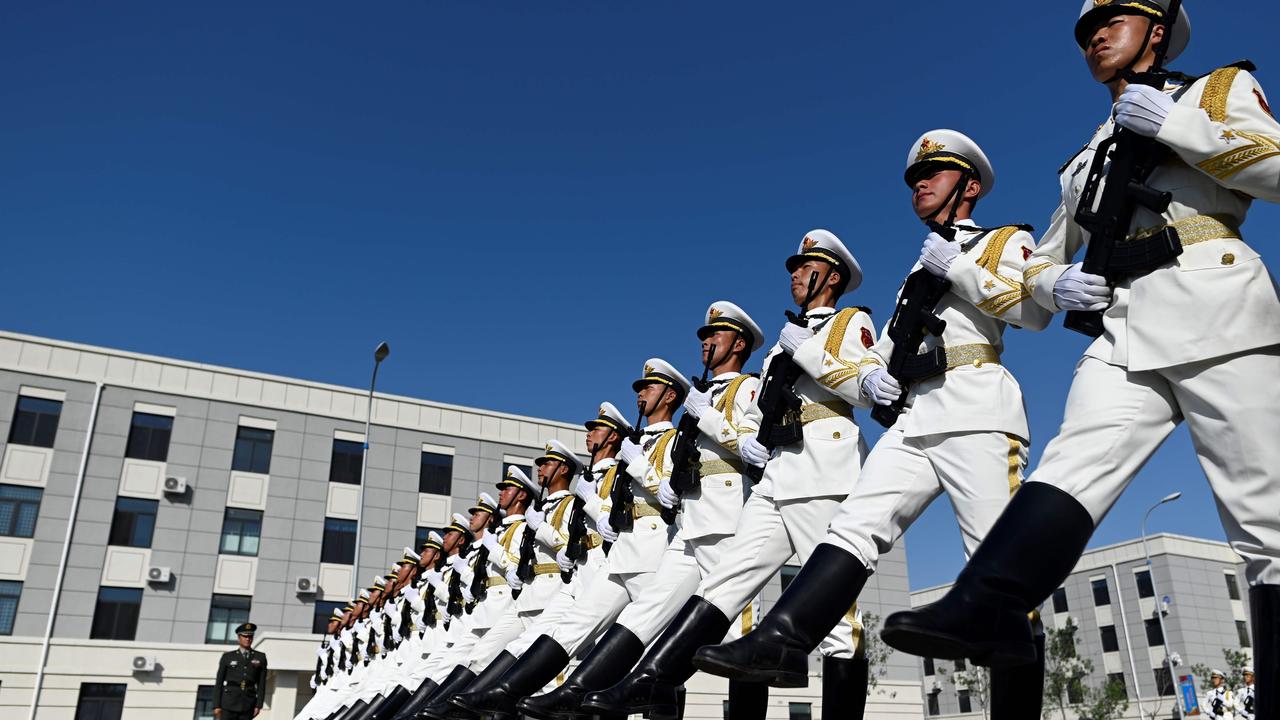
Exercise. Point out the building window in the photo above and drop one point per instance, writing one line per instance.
(800, 711)
(344, 467)
(960, 666)
(100, 701)
(1110, 643)
(928, 667)
(724, 709)
(436, 475)
(134, 522)
(19, 507)
(933, 703)
(1060, 600)
(10, 591)
(1101, 594)
(149, 437)
(1233, 588)
(226, 613)
(253, 450)
(1155, 636)
(1242, 631)
(204, 703)
(339, 544)
(1145, 588)
(1075, 692)
(116, 615)
(420, 538)
(241, 530)
(966, 704)
(35, 422)
(1117, 679)
(1164, 681)
(320, 618)
(789, 573)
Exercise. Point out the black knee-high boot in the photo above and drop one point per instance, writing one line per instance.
(538, 666)
(607, 663)
(457, 681)
(651, 687)
(777, 652)
(1017, 691)
(748, 700)
(844, 688)
(1030, 550)
(356, 710)
(419, 699)
(1264, 607)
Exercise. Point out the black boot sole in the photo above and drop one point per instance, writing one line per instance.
(930, 643)
(746, 673)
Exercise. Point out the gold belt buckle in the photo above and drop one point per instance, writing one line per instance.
(243, 686)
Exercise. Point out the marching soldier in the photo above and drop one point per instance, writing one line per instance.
(242, 675)
(1244, 697)
(1190, 339)
(963, 430)
(1219, 702)
(805, 478)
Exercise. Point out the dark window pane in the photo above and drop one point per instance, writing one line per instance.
(134, 522)
(724, 709)
(966, 705)
(320, 618)
(933, 704)
(226, 613)
(1233, 588)
(928, 666)
(204, 703)
(420, 538)
(960, 666)
(1101, 594)
(1110, 643)
(100, 701)
(1164, 681)
(1060, 600)
(345, 464)
(241, 532)
(1116, 679)
(800, 711)
(436, 475)
(19, 508)
(116, 616)
(1155, 637)
(339, 544)
(1242, 631)
(149, 437)
(10, 591)
(253, 450)
(1075, 692)
(1145, 588)
(789, 573)
(35, 422)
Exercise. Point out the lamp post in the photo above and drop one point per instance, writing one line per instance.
(379, 354)
(1168, 656)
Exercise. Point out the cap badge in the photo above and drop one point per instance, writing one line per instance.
(929, 147)
(648, 369)
(808, 244)
(549, 448)
(1102, 3)
(601, 411)
(715, 313)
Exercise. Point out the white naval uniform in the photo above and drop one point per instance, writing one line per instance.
(553, 534)
(1219, 704)
(964, 431)
(1245, 703)
(631, 570)
(1195, 339)
(708, 515)
(803, 485)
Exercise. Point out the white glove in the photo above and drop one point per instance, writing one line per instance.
(630, 452)
(562, 559)
(436, 579)
(606, 532)
(513, 579)
(534, 518)
(881, 387)
(752, 452)
(466, 594)
(584, 490)
(696, 402)
(1143, 109)
(490, 542)
(937, 254)
(667, 494)
(793, 336)
(1078, 290)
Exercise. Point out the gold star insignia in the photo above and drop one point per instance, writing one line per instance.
(1228, 135)
(988, 285)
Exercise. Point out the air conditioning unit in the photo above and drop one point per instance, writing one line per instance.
(144, 663)
(305, 585)
(159, 574)
(175, 485)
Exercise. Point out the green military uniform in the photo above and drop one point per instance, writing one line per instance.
(242, 677)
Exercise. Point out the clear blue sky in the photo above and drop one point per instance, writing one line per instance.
(528, 199)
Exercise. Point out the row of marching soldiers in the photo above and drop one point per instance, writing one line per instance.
(643, 562)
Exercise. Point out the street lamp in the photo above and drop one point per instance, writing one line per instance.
(379, 354)
(1168, 656)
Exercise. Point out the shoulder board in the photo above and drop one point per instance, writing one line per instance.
(863, 308)
(1217, 89)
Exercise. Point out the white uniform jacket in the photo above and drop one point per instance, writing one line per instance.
(714, 506)
(827, 462)
(641, 549)
(551, 535)
(987, 293)
(1217, 298)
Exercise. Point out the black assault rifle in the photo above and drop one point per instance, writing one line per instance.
(525, 569)
(1132, 158)
(576, 546)
(480, 579)
(779, 405)
(621, 499)
(684, 451)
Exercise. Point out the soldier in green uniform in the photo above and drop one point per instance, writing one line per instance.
(242, 673)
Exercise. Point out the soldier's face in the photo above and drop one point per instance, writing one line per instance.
(1248, 678)
(1115, 43)
(723, 343)
(800, 279)
(478, 521)
(598, 436)
(245, 641)
(932, 189)
(1217, 681)
(648, 397)
(508, 495)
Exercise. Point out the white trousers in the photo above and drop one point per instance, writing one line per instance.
(546, 621)
(505, 631)
(1115, 419)
(903, 476)
(599, 604)
(769, 534)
